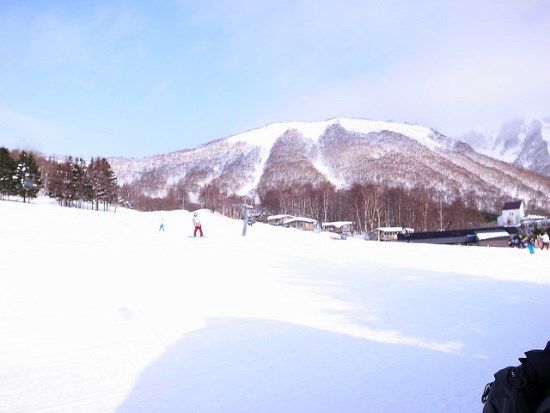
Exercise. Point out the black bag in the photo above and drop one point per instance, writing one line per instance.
(521, 389)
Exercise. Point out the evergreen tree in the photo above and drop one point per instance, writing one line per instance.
(78, 180)
(60, 182)
(27, 179)
(7, 171)
(102, 183)
(93, 179)
(110, 194)
(74, 182)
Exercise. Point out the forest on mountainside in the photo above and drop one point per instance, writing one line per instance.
(77, 183)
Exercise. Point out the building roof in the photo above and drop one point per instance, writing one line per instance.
(388, 229)
(280, 216)
(512, 205)
(337, 224)
(482, 235)
(459, 236)
(300, 219)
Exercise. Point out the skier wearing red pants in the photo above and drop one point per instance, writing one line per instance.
(197, 224)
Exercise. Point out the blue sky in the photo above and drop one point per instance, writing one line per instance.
(139, 78)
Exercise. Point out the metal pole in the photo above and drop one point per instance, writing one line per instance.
(245, 208)
(245, 219)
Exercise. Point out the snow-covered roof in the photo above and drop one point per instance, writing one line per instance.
(337, 224)
(280, 216)
(301, 219)
(389, 229)
(492, 235)
(535, 217)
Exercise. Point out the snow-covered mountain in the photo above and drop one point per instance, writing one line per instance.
(523, 142)
(339, 151)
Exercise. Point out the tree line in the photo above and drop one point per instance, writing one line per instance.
(73, 182)
(77, 183)
(372, 205)
(368, 205)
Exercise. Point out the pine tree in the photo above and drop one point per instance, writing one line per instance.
(111, 185)
(74, 182)
(7, 171)
(78, 180)
(102, 183)
(27, 179)
(60, 182)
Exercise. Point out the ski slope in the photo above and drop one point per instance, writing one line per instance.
(102, 312)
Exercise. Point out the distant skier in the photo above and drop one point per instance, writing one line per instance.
(545, 241)
(197, 224)
(161, 228)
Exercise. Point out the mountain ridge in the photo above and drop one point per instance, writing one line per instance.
(338, 151)
(522, 142)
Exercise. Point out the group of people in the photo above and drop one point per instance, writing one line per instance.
(196, 223)
(521, 241)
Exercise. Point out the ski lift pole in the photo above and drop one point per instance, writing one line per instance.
(245, 208)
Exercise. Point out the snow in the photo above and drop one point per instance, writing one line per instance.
(491, 235)
(325, 170)
(421, 134)
(507, 142)
(337, 224)
(102, 312)
(267, 135)
(545, 132)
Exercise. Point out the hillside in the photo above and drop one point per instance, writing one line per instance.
(341, 152)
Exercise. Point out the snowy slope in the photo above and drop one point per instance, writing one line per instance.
(265, 138)
(102, 312)
(267, 135)
(524, 142)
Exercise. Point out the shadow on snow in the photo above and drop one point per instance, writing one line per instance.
(247, 365)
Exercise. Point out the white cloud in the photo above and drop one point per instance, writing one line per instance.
(450, 66)
(456, 67)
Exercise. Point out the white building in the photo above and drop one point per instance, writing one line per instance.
(387, 233)
(512, 214)
(339, 227)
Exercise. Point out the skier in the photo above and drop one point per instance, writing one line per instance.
(161, 228)
(197, 224)
(545, 241)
